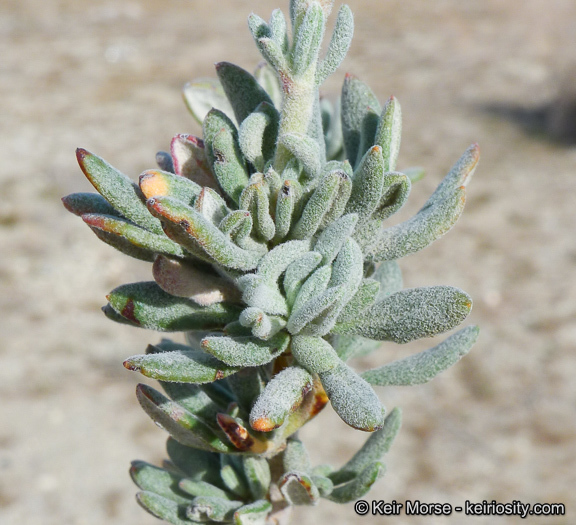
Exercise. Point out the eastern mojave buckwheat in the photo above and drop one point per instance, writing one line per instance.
(270, 251)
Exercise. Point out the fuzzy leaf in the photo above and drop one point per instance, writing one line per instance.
(373, 449)
(183, 426)
(254, 198)
(275, 262)
(297, 272)
(203, 95)
(325, 205)
(306, 150)
(421, 368)
(298, 489)
(129, 238)
(436, 217)
(279, 29)
(360, 485)
(154, 479)
(367, 184)
(147, 305)
(282, 395)
(296, 456)
(229, 167)
(201, 488)
(163, 508)
(286, 204)
(195, 464)
(246, 351)
(352, 398)
(233, 477)
(190, 160)
(82, 203)
(357, 102)
(307, 40)
(199, 235)
(258, 294)
(364, 297)
(313, 287)
(334, 236)
(314, 353)
(257, 135)
(182, 279)
(192, 397)
(155, 183)
(411, 314)
(241, 88)
(314, 308)
(253, 514)
(117, 189)
(211, 206)
(263, 326)
(183, 366)
(257, 472)
(207, 508)
(389, 133)
(395, 191)
(339, 44)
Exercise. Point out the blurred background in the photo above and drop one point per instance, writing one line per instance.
(106, 75)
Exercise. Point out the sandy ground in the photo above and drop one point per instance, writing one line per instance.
(106, 75)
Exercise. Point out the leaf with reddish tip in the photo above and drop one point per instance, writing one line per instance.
(183, 279)
(242, 89)
(298, 489)
(183, 426)
(134, 235)
(352, 398)
(113, 315)
(123, 245)
(147, 305)
(81, 203)
(411, 314)
(239, 436)
(117, 189)
(198, 234)
(203, 95)
(282, 395)
(190, 160)
(424, 366)
(246, 351)
(156, 183)
(182, 366)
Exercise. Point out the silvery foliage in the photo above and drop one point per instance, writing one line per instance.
(270, 251)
